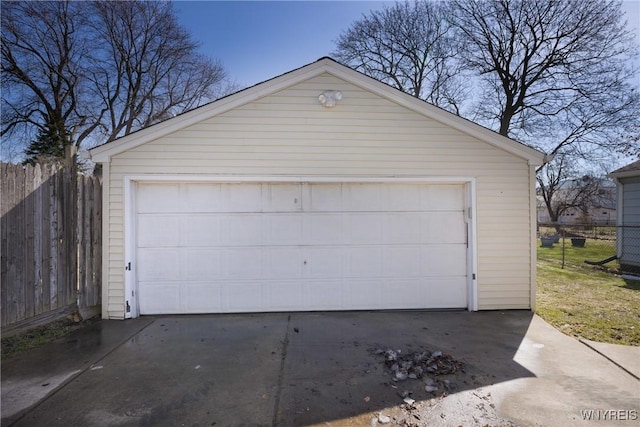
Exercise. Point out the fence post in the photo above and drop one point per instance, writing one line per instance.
(562, 235)
(89, 244)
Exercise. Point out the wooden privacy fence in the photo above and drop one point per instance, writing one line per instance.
(51, 242)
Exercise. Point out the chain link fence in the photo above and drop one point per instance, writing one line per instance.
(581, 245)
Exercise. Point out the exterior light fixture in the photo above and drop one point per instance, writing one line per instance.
(328, 98)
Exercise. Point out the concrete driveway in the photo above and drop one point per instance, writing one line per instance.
(305, 369)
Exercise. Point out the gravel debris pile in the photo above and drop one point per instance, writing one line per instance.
(418, 364)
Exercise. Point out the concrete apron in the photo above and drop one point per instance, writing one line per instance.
(316, 369)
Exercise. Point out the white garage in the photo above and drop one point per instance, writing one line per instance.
(219, 247)
(320, 189)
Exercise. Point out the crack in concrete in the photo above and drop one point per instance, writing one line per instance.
(285, 345)
(610, 359)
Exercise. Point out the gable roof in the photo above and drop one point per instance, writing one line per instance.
(104, 152)
(632, 169)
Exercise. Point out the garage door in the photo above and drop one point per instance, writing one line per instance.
(251, 247)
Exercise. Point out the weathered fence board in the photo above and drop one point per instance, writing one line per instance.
(90, 238)
(51, 241)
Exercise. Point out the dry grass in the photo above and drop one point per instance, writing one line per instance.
(588, 303)
(594, 250)
(17, 344)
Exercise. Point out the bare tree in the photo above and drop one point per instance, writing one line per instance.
(408, 46)
(42, 71)
(555, 75)
(151, 71)
(631, 142)
(88, 72)
(544, 59)
(563, 187)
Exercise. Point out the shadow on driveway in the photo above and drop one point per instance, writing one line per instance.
(279, 370)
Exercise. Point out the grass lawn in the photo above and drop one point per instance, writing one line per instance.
(584, 301)
(594, 250)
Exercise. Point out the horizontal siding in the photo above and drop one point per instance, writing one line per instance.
(631, 204)
(630, 216)
(290, 133)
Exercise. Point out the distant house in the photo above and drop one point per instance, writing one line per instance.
(600, 211)
(627, 181)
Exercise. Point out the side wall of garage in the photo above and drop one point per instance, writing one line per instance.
(290, 134)
(629, 240)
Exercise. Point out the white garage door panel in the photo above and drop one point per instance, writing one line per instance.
(165, 298)
(211, 247)
(444, 292)
(159, 264)
(242, 263)
(323, 198)
(284, 229)
(441, 197)
(362, 229)
(241, 229)
(283, 198)
(283, 295)
(323, 294)
(362, 197)
(200, 263)
(158, 198)
(201, 198)
(362, 294)
(200, 230)
(158, 231)
(283, 262)
(201, 298)
(322, 229)
(444, 260)
(242, 198)
(399, 261)
(404, 293)
(443, 227)
(400, 228)
(323, 262)
(364, 261)
(242, 296)
(402, 198)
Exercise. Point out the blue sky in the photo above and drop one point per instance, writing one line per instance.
(258, 40)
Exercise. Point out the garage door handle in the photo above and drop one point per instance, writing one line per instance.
(128, 267)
